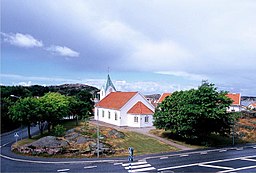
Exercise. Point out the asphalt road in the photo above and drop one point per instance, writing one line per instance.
(234, 159)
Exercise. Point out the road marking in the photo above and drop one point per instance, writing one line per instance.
(142, 170)
(4, 144)
(222, 151)
(251, 160)
(90, 167)
(137, 166)
(239, 149)
(213, 166)
(118, 163)
(63, 162)
(184, 155)
(63, 170)
(204, 163)
(203, 153)
(254, 147)
(163, 157)
(134, 163)
(238, 169)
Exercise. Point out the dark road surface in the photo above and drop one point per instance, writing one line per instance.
(233, 159)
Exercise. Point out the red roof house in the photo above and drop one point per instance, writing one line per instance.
(125, 109)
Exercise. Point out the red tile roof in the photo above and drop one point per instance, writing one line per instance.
(116, 100)
(140, 109)
(235, 97)
(163, 96)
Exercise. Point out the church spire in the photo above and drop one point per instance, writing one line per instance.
(109, 84)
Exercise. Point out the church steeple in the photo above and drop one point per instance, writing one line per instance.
(107, 88)
(109, 84)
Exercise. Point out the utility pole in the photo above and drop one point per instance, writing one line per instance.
(98, 137)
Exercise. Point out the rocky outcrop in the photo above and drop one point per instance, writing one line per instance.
(73, 143)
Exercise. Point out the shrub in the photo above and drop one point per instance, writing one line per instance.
(59, 130)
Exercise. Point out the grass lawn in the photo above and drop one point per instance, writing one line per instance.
(142, 144)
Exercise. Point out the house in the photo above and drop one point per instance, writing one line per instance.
(236, 105)
(125, 109)
(252, 106)
(163, 96)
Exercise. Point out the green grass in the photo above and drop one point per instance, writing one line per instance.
(143, 144)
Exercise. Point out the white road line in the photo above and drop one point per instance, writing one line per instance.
(135, 163)
(238, 169)
(203, 153)
(238, 149)
(53, 162)
(254, 147)
(62, 170)
(222, 151)
(213, 166)
(142, 170)
(90, 167)
(252, 160)
(118, 163)
(175, 167)
(184, 155)
(137, 166)
(204, 163)
(164, 158)
(4, 144)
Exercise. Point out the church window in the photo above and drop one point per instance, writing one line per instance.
(103, 113)
(115, 116)
(136, 119)
(146, 119)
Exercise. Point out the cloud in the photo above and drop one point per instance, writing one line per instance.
(183, 74)
(62, 51)
(21, 40)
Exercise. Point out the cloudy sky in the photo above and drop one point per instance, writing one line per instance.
(151, 46)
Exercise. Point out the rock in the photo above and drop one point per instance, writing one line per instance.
(116, 134)
(69, 131)
(82, 139)
(72, 136)
(48, 141)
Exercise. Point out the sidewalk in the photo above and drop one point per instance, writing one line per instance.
(144, 131)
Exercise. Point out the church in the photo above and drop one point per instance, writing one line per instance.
(129, 109)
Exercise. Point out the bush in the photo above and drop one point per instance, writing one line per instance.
(59, 130)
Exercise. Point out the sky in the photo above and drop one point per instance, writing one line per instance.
(150, 46)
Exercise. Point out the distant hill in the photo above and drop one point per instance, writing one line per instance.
(73, 88)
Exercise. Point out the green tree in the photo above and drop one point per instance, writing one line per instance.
(195, 113)
(53, 107)
(25, 110)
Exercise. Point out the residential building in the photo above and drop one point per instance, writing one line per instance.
(236, 105)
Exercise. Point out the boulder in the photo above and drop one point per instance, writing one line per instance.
(116, 134)
(48, 141)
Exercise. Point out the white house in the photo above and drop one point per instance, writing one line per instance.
(252, 106)
(125, 109)
(236, 105)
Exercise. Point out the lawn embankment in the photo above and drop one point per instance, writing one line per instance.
(108, 137)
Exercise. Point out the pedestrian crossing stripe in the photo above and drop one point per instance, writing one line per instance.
(138, 166)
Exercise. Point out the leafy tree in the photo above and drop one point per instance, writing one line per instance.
(195, 113)
(53, 107)
(25, 111)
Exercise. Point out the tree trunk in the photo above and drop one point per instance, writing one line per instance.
(76, 120)
(29, 135)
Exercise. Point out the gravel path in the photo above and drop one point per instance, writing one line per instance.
(144, 131)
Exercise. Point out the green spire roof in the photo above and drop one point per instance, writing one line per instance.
(109, 83)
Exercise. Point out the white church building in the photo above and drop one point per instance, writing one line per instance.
(130, 109)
